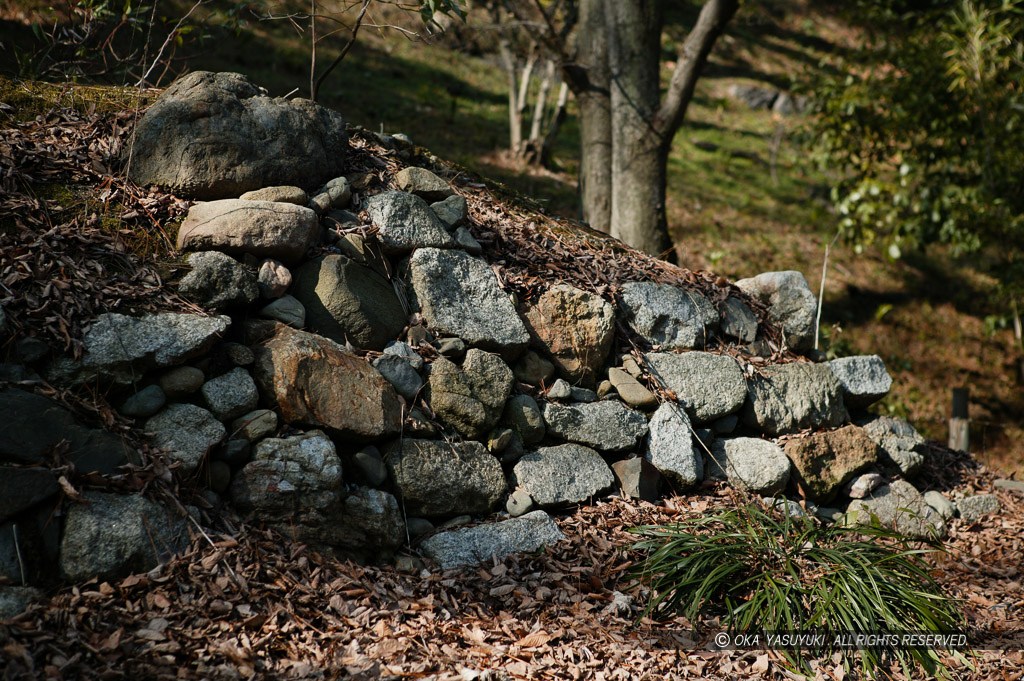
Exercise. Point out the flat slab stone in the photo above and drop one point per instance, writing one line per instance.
(784, 398)
(423, 183)
(126, 347)
(750, 463)
(709, 386)
(608, 425)
(474, 545)
(265, 229)
(567, 474)
(668, 316)
(406, 222)
(973, 507)
(864, 379)
(670, 447)
(460, 296)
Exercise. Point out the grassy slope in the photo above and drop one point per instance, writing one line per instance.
(923, 315)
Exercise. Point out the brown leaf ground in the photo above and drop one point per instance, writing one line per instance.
(246, 603)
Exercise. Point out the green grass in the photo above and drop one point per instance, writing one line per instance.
(768, 572)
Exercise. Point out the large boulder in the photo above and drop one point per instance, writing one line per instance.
(348, 301)
(216, 135)
(824, 462)
(187, 432)
(124, 348)
(109, 536)
(314, 381)
(670, 447)
(607, 425)
(791, 304)
(405, 222)
(483, 543)
(567, 474)
(32, 425)
(784, 398)
(709, 386)
(575, 329)
(437, 478)
(750, 463)
(900, 443)
(218, 281)
(899, 507)
(470, 399)
(668, 316)
(265, 229)
(460, 296)
(864, 379)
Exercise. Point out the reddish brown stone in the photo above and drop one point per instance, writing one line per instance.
(316, 382)
(576, 329)
(824, 462)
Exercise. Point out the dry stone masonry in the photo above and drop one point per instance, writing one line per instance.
(365, 375)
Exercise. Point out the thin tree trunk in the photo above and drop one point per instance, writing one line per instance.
(540, 106)
(556, 123)
(589, 80)
(515, 121)
(639, 152)
(524, 89)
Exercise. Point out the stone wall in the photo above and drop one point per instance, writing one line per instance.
(366, 380)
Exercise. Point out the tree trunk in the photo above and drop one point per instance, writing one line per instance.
(640, 150)
(589, 81)
(555, 125)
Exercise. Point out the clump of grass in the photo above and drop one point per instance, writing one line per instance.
(765, 571)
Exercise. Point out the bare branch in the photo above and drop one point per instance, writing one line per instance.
(344, 51)
(170, 37)
(693, 55)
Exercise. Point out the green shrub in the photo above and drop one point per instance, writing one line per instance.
(762, 571)
(924, 132)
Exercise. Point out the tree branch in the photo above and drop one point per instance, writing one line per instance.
(344, 51)
(693, 55)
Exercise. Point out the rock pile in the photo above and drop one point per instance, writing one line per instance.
(366, 376)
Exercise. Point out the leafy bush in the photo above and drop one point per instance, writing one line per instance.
(766, 571)
(924, 132)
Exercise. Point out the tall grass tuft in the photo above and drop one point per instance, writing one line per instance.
(766, 571)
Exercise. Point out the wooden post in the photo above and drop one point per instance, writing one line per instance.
(959, 425)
